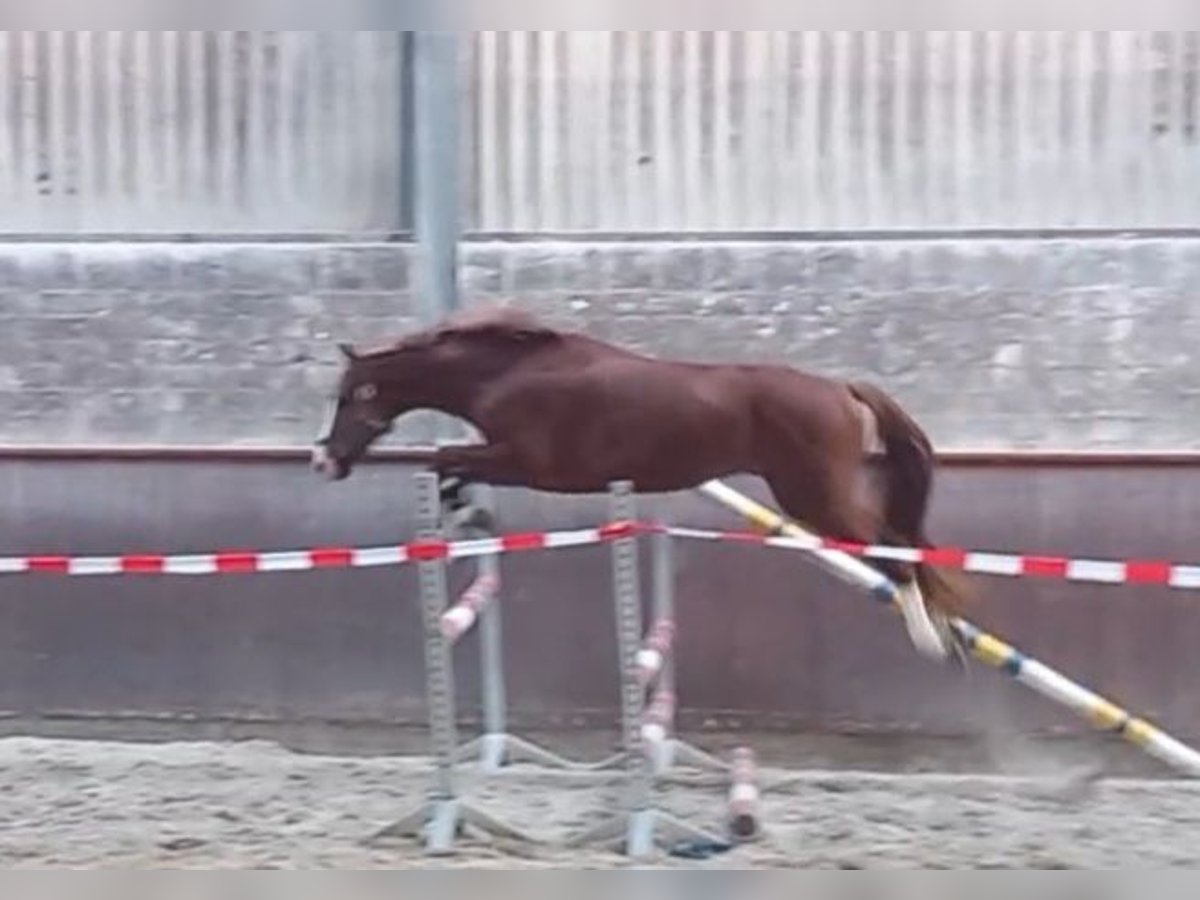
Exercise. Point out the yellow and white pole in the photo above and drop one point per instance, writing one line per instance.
(992, 651)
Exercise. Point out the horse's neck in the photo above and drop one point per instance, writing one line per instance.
(456, 399)
(456, 392)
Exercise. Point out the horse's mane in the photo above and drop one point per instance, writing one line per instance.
(508, 323)
(492, 318)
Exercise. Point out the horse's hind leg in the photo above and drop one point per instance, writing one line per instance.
(910, 596)
(931, 633)
(828, 501)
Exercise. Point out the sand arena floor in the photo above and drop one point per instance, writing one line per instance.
(254, 805)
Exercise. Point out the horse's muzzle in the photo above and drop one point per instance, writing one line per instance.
(327, 465)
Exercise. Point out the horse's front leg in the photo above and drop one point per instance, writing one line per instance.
(488, 463)
(458, 467)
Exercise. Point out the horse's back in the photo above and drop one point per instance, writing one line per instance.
(592, 415)
(591, 377)
(592, 382)
(797, 388)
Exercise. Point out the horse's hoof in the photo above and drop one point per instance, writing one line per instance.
(450, 492)
(481, 520)
(931, 643)
(473, 518)
(957, 655)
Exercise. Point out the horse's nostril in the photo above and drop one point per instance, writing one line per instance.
(326, 464)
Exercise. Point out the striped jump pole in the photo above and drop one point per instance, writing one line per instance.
(743, 795)
(645, 728)
(461, 618)
(986, 648)
(655, 663)
(658, 721)
(479, 605)
(652, 658)
(439, 820)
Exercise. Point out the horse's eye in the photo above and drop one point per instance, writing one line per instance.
(365, 393)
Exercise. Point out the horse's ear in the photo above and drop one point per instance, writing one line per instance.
(347, 350)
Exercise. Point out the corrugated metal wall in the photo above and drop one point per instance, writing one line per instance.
(612, 131)
(199, 131)
(773, 130)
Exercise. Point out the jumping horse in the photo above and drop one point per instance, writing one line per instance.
(567, 413)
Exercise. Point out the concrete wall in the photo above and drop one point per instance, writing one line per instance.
(1060, 344)
(1081, 344)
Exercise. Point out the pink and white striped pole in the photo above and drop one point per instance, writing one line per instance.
(743, 794)
(461, 618)
(658, 718)
(653, 655)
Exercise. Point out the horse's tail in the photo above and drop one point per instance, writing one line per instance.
(909, 464)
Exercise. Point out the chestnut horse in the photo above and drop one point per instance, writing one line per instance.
(566, 413)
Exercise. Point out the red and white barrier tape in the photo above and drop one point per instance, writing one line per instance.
(1147, 572)
(228, 563)
(1142, 572)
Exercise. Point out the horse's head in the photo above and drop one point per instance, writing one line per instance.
(440, 368)
(359, 415)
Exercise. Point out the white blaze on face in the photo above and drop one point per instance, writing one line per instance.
(322, 460)
(331, 409)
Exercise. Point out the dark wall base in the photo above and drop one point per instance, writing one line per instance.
(769, 642)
